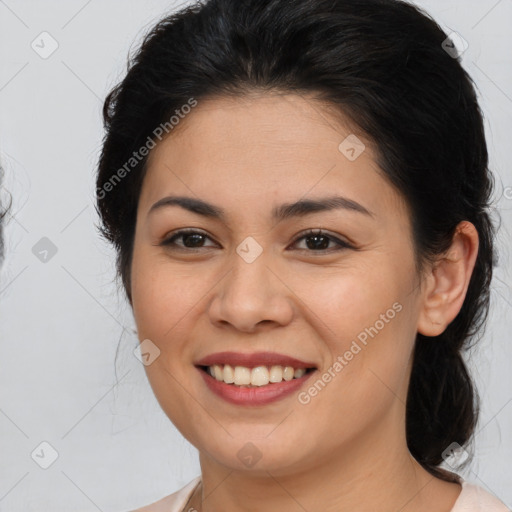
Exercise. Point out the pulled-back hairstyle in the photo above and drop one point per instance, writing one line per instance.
(382, 64)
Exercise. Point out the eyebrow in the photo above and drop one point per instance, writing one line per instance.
(285, 211)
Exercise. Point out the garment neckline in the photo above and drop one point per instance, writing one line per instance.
(197, 481)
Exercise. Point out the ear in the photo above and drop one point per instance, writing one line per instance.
(448, 281)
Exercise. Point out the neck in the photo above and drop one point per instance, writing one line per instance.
(375, 472)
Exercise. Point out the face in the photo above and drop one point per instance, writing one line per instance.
(248, 286)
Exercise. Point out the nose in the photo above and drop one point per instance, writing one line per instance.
(251, 297)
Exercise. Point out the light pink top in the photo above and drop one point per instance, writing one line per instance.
(472, 499)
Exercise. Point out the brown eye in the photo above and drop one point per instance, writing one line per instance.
(191, 239)
(317, 241)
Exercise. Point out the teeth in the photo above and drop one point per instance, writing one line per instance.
(288, 373)
(217, 372)
(229, 374)
(242, 375)
(276, 374)
(258, 376)
(299, 372)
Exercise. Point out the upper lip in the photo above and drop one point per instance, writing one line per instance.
(253, 360)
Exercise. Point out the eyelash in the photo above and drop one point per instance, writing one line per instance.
(169, 242)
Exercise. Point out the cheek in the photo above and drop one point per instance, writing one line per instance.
(162, 305)
(366, 319)
(345, 302)
(163, 296)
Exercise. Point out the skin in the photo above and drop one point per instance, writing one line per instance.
(346, 449)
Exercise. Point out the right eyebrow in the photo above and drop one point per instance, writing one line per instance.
(285, 211)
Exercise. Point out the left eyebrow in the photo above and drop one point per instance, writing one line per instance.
(307, 206)
(285, 211)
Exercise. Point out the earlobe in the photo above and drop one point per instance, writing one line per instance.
(448, 281)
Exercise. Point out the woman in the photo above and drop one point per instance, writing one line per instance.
(298, 193)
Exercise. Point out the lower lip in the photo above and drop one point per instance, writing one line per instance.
(261, 395)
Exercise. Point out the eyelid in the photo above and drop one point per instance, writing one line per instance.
(341, 244)
(181, 232)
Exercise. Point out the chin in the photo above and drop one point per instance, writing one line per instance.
(276, 454)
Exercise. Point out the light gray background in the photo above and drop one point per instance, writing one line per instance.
(61, 321)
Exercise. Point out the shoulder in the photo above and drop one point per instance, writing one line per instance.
(174, 502)
(474, 498)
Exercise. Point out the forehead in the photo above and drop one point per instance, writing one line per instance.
(263, 148)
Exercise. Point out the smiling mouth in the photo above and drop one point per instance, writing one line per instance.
(258, 376)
